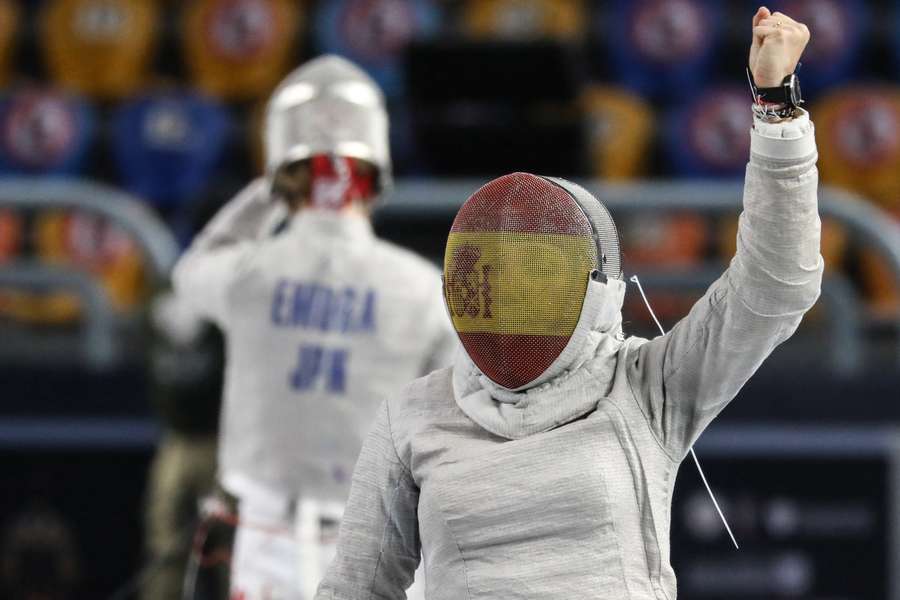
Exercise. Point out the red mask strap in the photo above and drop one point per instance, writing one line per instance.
(337, 183)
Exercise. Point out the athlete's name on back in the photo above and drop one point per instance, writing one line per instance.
(310, 305)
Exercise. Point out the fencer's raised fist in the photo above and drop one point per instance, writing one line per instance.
(778, 42)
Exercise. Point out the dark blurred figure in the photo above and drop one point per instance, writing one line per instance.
(186, 362)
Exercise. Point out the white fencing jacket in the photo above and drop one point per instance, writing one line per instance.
(564, 491)
(322, 322)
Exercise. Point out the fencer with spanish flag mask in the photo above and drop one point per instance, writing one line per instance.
(322, 322)
(541, 464)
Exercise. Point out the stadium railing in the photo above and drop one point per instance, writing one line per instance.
(99, 337)
(97, 344)
(127, 211)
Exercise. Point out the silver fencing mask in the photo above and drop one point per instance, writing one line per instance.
(328, 106)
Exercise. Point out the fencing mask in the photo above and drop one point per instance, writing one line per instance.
(328, 107)
(521, 259)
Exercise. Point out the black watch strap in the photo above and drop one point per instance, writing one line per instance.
(781, 100)
(774, 95)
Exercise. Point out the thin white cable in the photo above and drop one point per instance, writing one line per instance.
(634, 279)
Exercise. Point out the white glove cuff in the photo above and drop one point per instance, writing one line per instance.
(789, 139)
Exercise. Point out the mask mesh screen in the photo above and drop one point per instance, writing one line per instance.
(516, 270)
(604, 227)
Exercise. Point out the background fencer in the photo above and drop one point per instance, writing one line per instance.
(322, 321)
(541, 464)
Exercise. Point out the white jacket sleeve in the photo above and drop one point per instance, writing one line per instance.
(684, 379)
(442, 339)
(223, 249)
(379, 545)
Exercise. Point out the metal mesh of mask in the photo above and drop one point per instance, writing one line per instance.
(605, 232)
(516, 269)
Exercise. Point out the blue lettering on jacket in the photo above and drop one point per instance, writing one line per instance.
(309, 366)
(337, 371)
(318, 307)
(317, 367)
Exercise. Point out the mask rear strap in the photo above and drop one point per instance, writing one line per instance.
(634, 279)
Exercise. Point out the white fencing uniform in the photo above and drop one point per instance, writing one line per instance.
(564, 490)
(323, 322)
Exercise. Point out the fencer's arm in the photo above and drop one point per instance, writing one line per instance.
(443, 341)
(378, 549)
(684, 379)
(218, 254)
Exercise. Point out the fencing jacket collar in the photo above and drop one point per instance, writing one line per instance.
(588, 362)
(326, 222)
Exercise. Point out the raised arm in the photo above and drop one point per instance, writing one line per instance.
(684, 379)
(379, 547)
(219, 252)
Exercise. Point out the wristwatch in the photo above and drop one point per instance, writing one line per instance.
(776, 102)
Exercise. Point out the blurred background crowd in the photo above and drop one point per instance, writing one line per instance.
(124, 124)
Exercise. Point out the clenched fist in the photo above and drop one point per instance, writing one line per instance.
(778, 42)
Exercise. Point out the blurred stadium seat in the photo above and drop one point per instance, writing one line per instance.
(100, 48)
(167, 144)
(9, 30)
(10, 234)
(240, 49)
(85, 242)
(96, 245)
(670, 242)
(676, 241)
(879, 286)
(662, 47)
(709, 135)
(374, 33)
(108, 242)
(621, 130)
(859, 129)
(565, 20)
(44, 131)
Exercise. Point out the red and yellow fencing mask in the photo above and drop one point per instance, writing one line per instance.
(520, 257)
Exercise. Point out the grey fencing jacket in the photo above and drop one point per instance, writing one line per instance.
(322, 323)
(564, 491)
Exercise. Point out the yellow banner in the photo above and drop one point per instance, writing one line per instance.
(517, 283)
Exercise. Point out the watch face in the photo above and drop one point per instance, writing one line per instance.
(794, 91)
